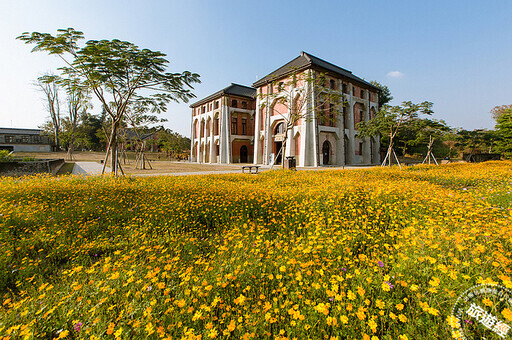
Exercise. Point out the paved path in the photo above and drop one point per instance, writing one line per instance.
(88, 168)
(94, 168)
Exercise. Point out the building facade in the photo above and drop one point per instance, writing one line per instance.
(314, 140)
(24, 140)
(223, 126)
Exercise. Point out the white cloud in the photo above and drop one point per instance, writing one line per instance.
(395, 74)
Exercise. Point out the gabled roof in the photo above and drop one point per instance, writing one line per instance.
(233, 89)
(305, 61)
(19, 131)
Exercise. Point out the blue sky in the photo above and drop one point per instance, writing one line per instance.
(457, 54)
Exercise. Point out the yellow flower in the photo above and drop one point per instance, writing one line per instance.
(453, 321)
(322, 308)
(110, 328)
(507, 314)
(344, 319)
(63, 334)
(434, 282)
(487, 302)
(399, 306)
(360, 291)
(231, 326)
(149, 328)
(240, 300)
(213, 333)
(332, 321)
(373, 325)
(402, 318)
(379, 304)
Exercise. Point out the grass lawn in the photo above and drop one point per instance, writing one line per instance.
(158, 162)
(378, 253)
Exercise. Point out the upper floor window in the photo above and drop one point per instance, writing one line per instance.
(244, 105)
(331, 115)
(362, 93)
(332, 84)
(244, 126)
(234, 126)
(204, 109)
(216, 105)
(344, 88)
(216, 126)
(234, 103)
(9, 139)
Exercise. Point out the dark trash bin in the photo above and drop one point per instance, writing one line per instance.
(290, 163)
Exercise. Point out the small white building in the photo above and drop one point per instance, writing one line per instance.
(24, 140)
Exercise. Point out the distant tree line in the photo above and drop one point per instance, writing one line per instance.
(408, 128)
(91, 134)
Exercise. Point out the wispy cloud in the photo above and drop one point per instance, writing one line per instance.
(395, 74)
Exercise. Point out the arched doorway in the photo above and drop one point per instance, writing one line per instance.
(244, 152)
(326, 151)
(279, 132)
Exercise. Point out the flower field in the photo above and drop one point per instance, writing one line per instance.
(362, 254)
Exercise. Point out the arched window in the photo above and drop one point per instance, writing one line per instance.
(279, 129)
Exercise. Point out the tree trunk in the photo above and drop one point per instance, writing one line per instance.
(113, 147)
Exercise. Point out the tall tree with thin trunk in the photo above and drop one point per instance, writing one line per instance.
(389, 121)
(49, 85)
(119, 73)
(78, 101)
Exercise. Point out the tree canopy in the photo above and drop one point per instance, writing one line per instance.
(389, 121)
(384, 93)
(120, 74)
(504, 132)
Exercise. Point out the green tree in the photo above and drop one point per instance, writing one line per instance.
(476, 141)
(118, 73)
(88, 131)
(49, 85)
(384, 93)
(78, 102)
(390, 120)
(497, 111)
(504, 133)
(415, 135)
(175, 145)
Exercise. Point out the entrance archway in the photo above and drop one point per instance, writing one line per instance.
(244, 152)
(326, 151)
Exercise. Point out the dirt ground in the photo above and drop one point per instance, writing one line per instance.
(158, 162)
